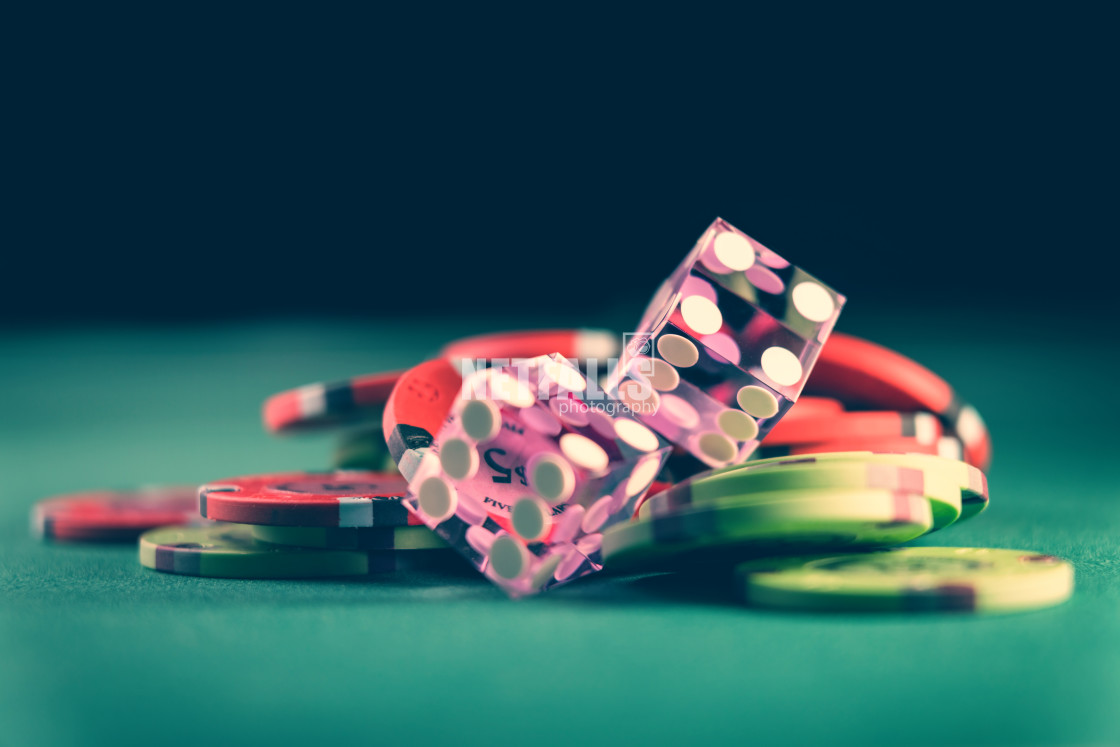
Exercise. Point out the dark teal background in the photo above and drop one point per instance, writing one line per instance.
(96, 650)
(388, 162)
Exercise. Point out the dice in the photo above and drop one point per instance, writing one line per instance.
(528, 469)
(725, 347)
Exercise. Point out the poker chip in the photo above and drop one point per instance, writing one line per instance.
(815, 406)
(760, 482)
(364, 450)
(796, 428)
(911, 579)
(971, 481)
(945, 446)
(361, 400)
(416, 409)
(230, 551)
(329, 405)
(794, 522)
(112, 516)
(346, 538)
(857, 371)
(344, 498)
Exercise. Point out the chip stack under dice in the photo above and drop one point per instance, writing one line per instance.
(526, 473)
(725, 347)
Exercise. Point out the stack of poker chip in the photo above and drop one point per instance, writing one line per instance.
(881, 451)
(878, 452)
(299, 525)
(820, 532)
(345, 522)
(840, 501)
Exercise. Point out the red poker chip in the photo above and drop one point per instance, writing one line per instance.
(796, 428)
(815, 407)
(946, 446)
(417, 407)
(345, 498)
(361, 400)
(329, 405)
(113, 516)
(863, 373)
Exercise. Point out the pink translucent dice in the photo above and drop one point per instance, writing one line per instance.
(725, 347)
(526, 473)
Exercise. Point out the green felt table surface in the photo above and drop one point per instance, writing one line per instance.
(95, 649)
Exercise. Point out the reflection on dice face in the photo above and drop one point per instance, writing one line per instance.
(524, 474)
(725, 347)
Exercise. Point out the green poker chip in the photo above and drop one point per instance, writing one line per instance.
(910, 579)
(970, 481)
(351, 538)
(231, 551)
(742, 486)
(778, 523)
